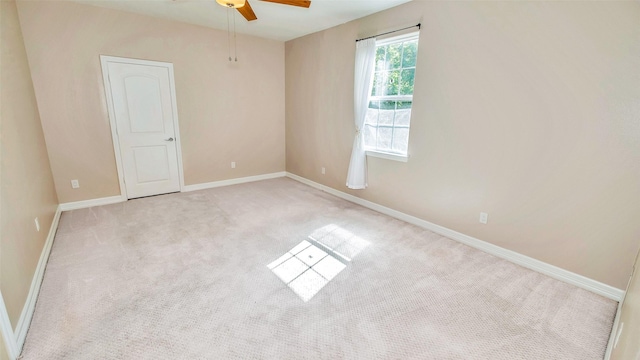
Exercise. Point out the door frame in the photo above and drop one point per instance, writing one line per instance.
(8, 336)
(104, 60)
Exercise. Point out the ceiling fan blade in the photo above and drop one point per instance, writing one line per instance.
(247, 12)
(301, 3)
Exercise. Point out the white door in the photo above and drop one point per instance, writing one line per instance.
(143, 98)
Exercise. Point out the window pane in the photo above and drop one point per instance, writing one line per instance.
(403, 117)
(410, 53)
(371, 117)
(384, 138)
(370, 133)
(391, 83)
(380, 55)
(378, 83)
(394, 52)
(400, 140)
(386, 117)
(406, 87)
(388, 105)
(404, 104)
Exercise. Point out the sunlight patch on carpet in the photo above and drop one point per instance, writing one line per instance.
(309, 266)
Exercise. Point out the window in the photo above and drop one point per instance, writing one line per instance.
(387, 122)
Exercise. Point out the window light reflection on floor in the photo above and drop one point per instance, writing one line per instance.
(310, 265)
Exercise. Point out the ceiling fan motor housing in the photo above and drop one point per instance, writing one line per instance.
(234, 4)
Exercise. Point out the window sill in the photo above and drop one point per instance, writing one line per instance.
(388, 156)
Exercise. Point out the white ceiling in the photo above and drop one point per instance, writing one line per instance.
(275, 21)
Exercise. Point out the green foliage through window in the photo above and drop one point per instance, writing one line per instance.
(395, 68)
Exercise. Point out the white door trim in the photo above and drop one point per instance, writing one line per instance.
(8, 335)
(104, 60)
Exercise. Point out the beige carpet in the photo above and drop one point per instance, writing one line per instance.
(278, 270)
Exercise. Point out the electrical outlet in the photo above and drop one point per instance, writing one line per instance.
(484, 217)
(37, 224)
(233, 164)
(75, 184)
(324, 171)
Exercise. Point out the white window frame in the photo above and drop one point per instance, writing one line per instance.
(388, 154)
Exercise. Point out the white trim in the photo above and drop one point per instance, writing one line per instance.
(614, 332)
(104, 60)
(112, 123)
(617, 327)
(522, 260)
(92, 202)
(30, 304)
(176, 128)
(409, 36)
(388, 156)
(235, 181)
(120, 198)
(7, 332)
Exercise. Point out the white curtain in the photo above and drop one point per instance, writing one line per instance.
(363, 81)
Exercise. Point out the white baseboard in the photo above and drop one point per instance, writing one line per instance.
(93, 202)
(241, 180)
(517, 258)
(120, 198)
(27, 311)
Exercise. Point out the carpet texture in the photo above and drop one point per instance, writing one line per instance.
(278, 270)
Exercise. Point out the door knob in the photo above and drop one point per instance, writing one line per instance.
(169, 139)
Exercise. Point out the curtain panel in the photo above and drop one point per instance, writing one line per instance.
(363, 81)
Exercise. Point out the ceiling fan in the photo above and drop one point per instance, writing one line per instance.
(245, 9)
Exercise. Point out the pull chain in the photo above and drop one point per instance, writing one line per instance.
(235, 43)
(229, 33)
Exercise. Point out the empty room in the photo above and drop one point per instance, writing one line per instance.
(324, 179)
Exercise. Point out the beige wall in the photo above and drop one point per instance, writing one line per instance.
(26, 184)
(227, 111)
(525, 110)
(628, 346)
